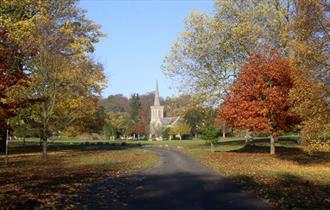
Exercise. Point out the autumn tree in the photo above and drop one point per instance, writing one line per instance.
(61, 72)
(116, 103)
(258, 100)
(16, 22)
(147, 100)
(134, 110)
(311, 56)
(92, 121)
(138, 128)
(118, 124)
(207, 56)
(175, 105)
(180, 128)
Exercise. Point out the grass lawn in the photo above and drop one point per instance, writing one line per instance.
(29, 182)
(291, 179)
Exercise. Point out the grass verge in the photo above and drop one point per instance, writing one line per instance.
(291, 179)
(28, 182)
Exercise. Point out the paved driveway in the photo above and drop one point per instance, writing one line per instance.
(179, 182)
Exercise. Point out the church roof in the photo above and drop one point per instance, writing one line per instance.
(168, 121)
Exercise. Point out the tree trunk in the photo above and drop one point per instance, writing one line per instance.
(44, 137)
(44, 148)
(196, 136)
(6, 149)
(212, 147)
(224, 132)
(249, 138)
(272, 145)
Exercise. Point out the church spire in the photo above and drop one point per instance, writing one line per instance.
(156, 101)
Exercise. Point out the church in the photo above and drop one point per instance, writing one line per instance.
(158, 123)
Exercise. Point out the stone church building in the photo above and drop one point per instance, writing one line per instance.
(158, 122)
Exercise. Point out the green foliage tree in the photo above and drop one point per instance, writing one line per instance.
(199, 117)
(208, 54)
(210, 134)
(135, 106)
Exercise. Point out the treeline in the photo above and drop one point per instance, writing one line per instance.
(265, 64)
(48, 79)
(121, 117)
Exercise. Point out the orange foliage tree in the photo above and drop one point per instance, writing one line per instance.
(11, 73)
(140, 126)
(258, 100)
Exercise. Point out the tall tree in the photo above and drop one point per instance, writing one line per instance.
(207, 56)
(258, 100)
(135, 105)
(175, 105)
(16, 22)
(147, 100)
(311, 57)
(62, 74)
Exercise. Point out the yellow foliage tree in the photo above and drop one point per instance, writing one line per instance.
(311, 56)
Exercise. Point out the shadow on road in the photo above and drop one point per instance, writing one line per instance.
(178, 191)
(190, 192)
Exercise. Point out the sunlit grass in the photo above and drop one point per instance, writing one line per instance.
(32, 182)
(291, 179)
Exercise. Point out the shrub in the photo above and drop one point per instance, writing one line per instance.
(316, 136)
(210, 134)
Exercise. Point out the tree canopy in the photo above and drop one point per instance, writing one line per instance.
(258, 99)
(206, 58)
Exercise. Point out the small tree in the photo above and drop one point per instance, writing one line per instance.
(210, 135)
(197, 117)
(258, 100)
(138, 128)
(180, 128)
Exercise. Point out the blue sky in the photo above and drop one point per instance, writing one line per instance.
(139, 36)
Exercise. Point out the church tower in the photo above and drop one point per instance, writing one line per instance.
(157, 116)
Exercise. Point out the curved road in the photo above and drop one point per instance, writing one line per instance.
(179, 182)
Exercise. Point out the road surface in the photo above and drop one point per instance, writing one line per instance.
(178, 182)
